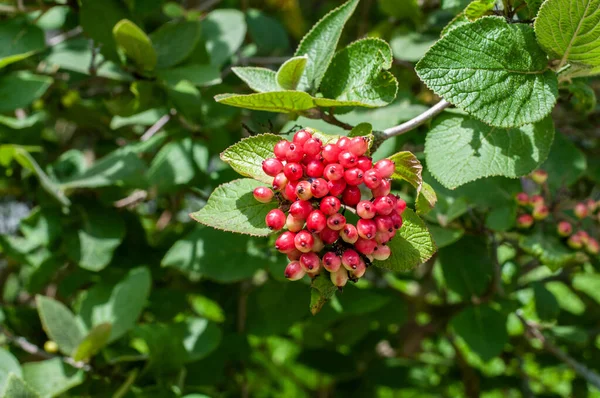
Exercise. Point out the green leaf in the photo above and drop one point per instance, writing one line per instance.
(224, 32)
(457, 21)
(583, 96)
(52, 377)
(119, 305)
(460, 149)
(258, 79)
(200, 337)
(426, 199)
(483, 329)
(467, 266)
(361, 130)
(20, 89)
(479, 8)
(246, 156)
(92, 247)
(408, 168)
(358, 74)
(135, 43)
(93, 342)
(567, 299)
(319, 44)
(42, 227)
(588, 284)
(570, 30)
(401, 9)
(276, 101)
(289, 74)
(322, 291)
(201, 253)
(410, 46)
(493, 70)
(98, 20)
(174, 42)
(267, 33)
(8, 365)
(546, 305)
(16, 388)
(232, 207)
(412, 245)
(549, 250)
(197, 74)
(445, 236)
(207, 308)
(59, 323)
(565, 164)
(19, 40)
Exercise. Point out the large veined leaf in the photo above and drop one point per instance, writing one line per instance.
(460, 149)
(232, 207)
(569, 30)
(319, 45)
(247, 155)
(258, 79)
(493, 70)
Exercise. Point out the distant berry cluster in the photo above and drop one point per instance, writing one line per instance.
(316, 186)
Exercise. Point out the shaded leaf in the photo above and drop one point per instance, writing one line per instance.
(8, 365)
(19, 40)
(549, 250)
(16, 388)
(59, 323)
(223, 31)
(174, 42)
(483, 329)
(20, 89)
(322, 291)
(52, 377)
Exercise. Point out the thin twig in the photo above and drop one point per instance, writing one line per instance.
(417, 121)
(316, 113)
(53, 41)
(582, 370)
(136, 197)
(208, 4)
(156, 127)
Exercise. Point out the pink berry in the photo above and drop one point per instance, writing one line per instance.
(383, 205)
(303, 190)
(285, 242)
(263, 194)
(400, 206)
(294, 271)
(353, 176)
(336, 221)
(275, 219)
(524, 221)
(295, 153)
(315, 168)
(319, 188)
(383, 189)
(581, 210)
(350, 259)
(372, 179)
(302, 136)
(351, 195)
(330, 205)
(294, 224)
(359, 145)
(310, 262)
(336, 188)
(281, 149)
(333, 172)
(347, 159)
(312, 146)
(575, 242)
(592, 246)
(272, 166)
(540, 212)
(522, 199)
(366, 228)
(396, 220)
(304, 241)
(383, 237)
(384, 223)
(329, 235)
(365, 209)
(332, 262)
(279, 182)
(330, 153)
(339, 278)
(349, 234)
(294, 255)
(385, 167)
(343, 143)
(382, 253)
(359, 271)
(318, 246)
(290, 191)
(316, 221)
(365, 246)
(564, 228)
(293, 171)
(301, 209)
(536, 200)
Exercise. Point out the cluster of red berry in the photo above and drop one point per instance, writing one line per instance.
(316, 184)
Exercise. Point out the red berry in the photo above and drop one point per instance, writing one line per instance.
(330, 153)
(343, 143)
(575, 242)
(275, 219)
(353, 176)
(272, 166)
(524, 221)
(347, 159)
(400, 206)
(522, 199)
(279, 182)
(364, 163)
(319, 188)
(333, 172)
(329, 235)
(365, 246)
(303, 190)
(339, 278)
(295, 153)
(330, 205)
(592, 246)
(294, 224)
(263, 194)
(290, 191)
(536, 200)
(302, 136)
(310, 262)
(332, 262)
(359, 145)
(564, 228)
(366, 228)
(382, 253)
(349, 234)
(294, 271)
(316, 221)
(385, 167)
(372, 179)
(336, 222)
(383, 237)
(336, 187)
(359, 271)
(365, 209)
(285, 242)
(300, 209)
(581, 210)
(384, 223)
(351, 195)
(541, 212)
(396, 220)
(383, 205)
(304, 241)
(318, 246)
(312, 146)
(281, 149)
(383, 189)
(315, 168)
(350, 259)
(293, 171)
(294, 255)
